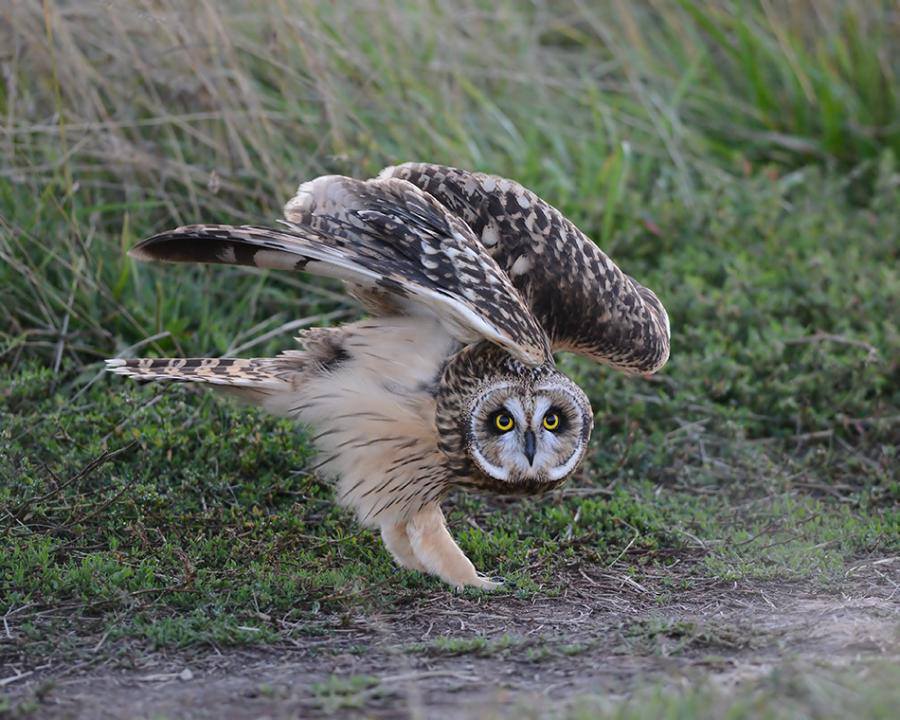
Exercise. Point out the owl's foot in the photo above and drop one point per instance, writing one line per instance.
(485, 583)
(436, 550)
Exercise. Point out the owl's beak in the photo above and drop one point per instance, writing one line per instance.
(529, 446)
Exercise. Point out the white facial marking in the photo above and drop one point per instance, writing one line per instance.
(541, 406)
(476, 409)
(549, 442)
(495, 471)
(562, 470)
(510, 452)
(514, 405)
(528, 414)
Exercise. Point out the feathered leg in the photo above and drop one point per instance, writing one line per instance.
(397, 542)
(438, 552)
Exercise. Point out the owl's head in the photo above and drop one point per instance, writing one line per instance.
(525, 429)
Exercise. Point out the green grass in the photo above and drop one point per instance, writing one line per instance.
(765, 450)
(738, 158)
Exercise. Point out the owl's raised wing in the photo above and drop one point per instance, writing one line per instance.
(584, 302)
(385, 238)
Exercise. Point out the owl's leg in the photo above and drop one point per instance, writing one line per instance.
(395, 539)
(438, 552)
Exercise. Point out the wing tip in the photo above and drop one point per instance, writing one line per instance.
(156, 248)
(117, 366)
(139, 252)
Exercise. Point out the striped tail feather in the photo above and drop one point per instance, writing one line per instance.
(257, 373)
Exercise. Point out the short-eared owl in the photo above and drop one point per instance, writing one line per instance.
(472, 282)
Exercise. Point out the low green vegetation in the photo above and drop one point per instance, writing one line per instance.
(765, 451)
(738, 158)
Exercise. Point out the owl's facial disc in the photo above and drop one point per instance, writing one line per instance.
(526, 435)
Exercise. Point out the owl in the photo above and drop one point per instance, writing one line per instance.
(470, 283)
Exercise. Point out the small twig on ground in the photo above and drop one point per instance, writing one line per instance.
(626, 548)
(101, 459)
(146, 406)
(427, 674)
(15, 678)
(102, 640)
(627, 581)
(569, 530)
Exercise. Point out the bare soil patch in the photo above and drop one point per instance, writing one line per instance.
(454, 656)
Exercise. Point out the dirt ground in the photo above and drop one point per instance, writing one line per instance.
(454, 656)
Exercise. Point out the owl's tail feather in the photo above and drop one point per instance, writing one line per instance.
(256, 373)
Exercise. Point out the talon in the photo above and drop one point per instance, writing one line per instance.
(485, 583)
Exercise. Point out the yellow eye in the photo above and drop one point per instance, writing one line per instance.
(551, 421)
(504, 422)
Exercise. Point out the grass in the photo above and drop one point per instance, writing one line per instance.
(738, 158)
(769, 442)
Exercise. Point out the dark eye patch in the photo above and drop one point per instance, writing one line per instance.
(498, 420)
(561, 414)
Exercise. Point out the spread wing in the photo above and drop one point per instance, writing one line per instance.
(584, 302)
(386, 238)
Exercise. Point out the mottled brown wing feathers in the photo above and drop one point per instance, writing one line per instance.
(386, 237)
(584, 302)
